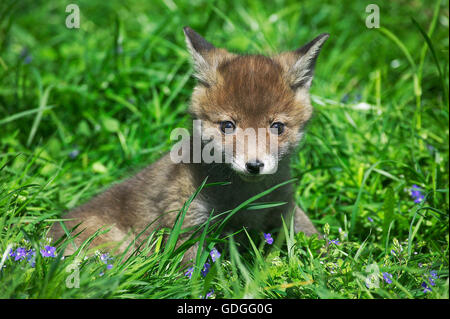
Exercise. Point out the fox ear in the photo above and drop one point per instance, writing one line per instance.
(202, 55)
(302, 70)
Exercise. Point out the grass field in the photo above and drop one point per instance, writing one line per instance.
(82, 108)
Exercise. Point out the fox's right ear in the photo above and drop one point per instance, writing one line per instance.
(202, 53)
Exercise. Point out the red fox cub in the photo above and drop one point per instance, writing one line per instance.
(250, 112)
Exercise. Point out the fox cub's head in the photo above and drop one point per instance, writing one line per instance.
(238, 96)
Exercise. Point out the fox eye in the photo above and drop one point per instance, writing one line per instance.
(277, 128)
(227, 127)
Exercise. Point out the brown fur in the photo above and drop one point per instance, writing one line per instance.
(253, 91)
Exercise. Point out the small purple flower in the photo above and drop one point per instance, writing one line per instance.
(12, 253)
(73, 154)
(26, 56)
(416, 194)
(48, 251)
(433, 275)
(20, 254)
(28, 59)
(209, 294)
(393, 252)
(214, 254)
(268, 238)
(189, 272)
(370, 219)
(31, 254)
(206, 269)
(415, 190)
(336, 242)
(387, 277)
(432, 282)
(426, 288)
(104, 258)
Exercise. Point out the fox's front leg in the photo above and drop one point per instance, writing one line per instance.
(302, 223)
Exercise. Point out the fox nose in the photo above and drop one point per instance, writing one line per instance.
(254, 167)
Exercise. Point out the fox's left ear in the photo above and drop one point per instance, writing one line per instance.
(303, 61)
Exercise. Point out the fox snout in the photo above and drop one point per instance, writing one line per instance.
(254, 167)
(250, 152)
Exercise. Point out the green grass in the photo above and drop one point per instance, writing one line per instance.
(115, 88)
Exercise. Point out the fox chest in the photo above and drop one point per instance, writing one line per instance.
(226, 198)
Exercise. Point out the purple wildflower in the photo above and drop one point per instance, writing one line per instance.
(206, 269)
(31, 257)
(189, 272)
(268, 238)
(432, 282)
(108, 266)
(12, 253)
(416, 194)
(370, 219)
(30, 253)
(387, 277)
(214, 254)
(48, 251)
(20, 254)
(73, 154)
(28, 59)
(433, 275)
(426, 288)
(26, 56)
(104, 258)
(336, 242)
(209, 294)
